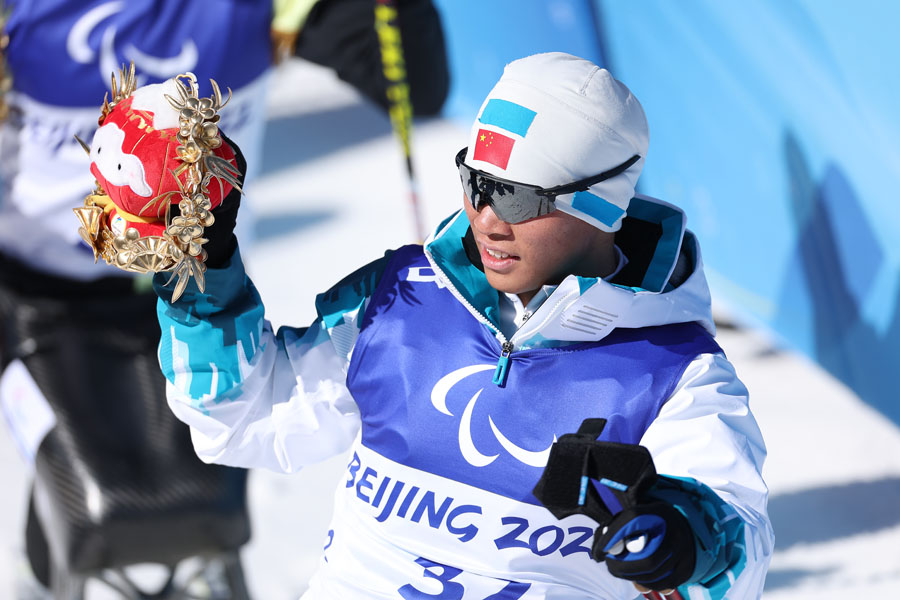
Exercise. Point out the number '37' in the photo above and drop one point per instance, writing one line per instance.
(452, 590)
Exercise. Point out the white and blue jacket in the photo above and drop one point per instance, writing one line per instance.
(448, 433)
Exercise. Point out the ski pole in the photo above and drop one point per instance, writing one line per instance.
(673, 595)
(397, 92)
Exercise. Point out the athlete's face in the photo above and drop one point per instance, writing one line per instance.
(520, 258)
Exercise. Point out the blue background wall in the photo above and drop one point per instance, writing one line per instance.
(774, 123)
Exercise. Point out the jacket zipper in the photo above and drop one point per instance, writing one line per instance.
(506, 346)
(503, 363)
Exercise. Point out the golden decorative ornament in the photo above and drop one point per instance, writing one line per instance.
(179, 248)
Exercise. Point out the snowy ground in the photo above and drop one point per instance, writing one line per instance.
(333, 195)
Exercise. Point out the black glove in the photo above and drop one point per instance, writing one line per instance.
(222, 242)
(651, 544)
(648, 541)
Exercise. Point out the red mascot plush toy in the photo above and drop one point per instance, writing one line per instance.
(161, 168)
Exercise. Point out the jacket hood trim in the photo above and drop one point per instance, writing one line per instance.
(671, 223)
(446, 249)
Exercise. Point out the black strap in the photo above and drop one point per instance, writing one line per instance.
(578, 463)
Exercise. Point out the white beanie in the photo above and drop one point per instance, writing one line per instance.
(555, 118)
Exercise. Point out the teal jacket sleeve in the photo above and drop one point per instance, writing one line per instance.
(718, 533)
(254, 397)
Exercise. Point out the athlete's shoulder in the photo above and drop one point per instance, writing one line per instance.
(357, 286)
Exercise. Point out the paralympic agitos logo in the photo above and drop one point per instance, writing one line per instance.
(80, 50)
(470, 451)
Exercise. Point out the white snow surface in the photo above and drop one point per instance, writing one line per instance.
(333, 194)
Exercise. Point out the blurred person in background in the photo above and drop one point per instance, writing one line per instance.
(550, 346)
(76, 344)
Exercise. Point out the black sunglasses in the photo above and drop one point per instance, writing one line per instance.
(515, 202)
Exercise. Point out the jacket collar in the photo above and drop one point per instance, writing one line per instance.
(662, 283)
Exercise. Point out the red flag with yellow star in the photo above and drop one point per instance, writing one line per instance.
(493, 147)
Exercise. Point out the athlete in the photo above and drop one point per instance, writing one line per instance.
(452, 371)
(68, 323)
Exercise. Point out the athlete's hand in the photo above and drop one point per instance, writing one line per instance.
(650, 544)
(222, 243)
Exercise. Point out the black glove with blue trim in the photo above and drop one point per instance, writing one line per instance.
(648, 542)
